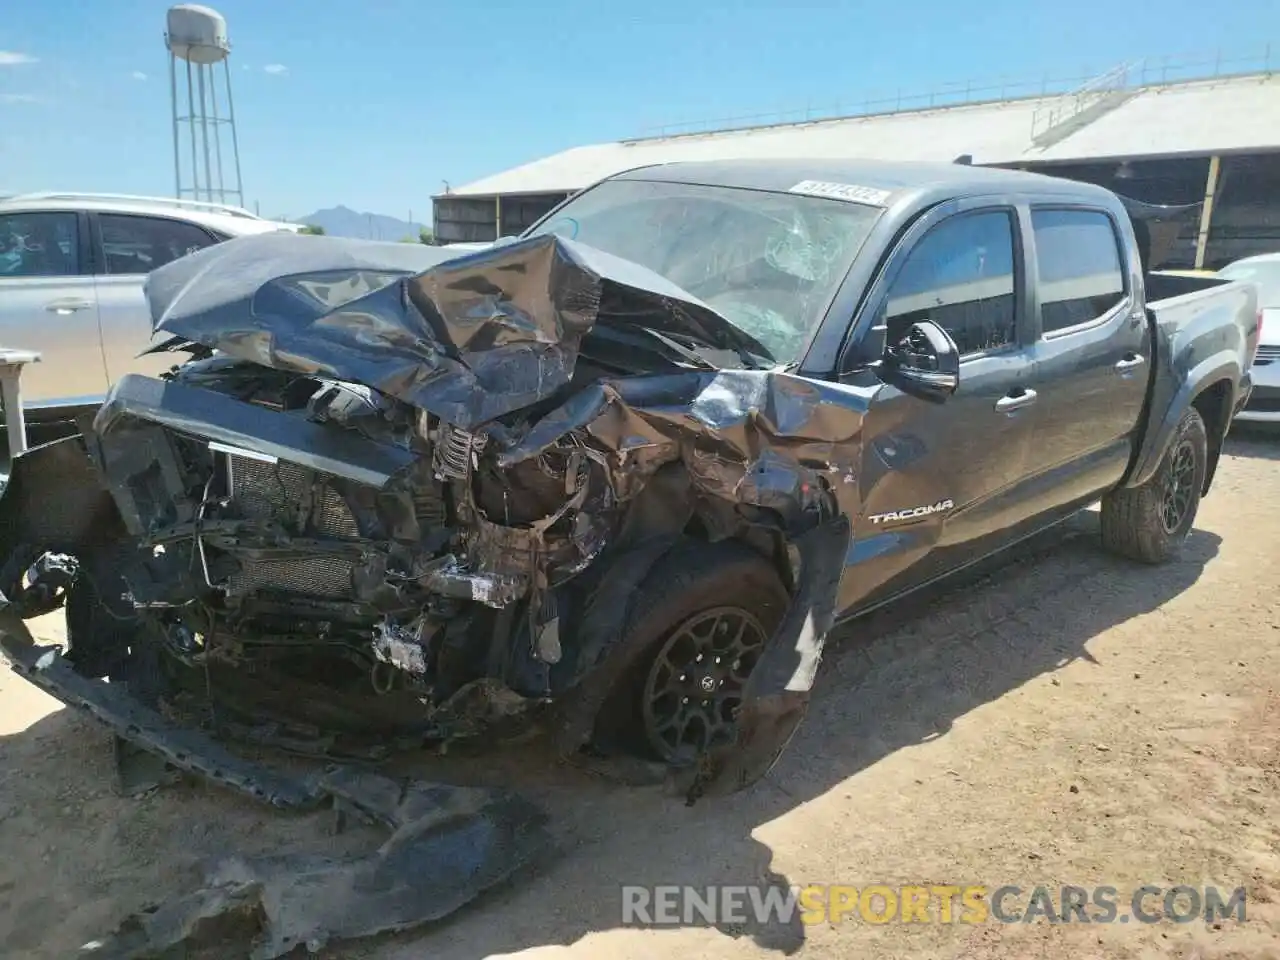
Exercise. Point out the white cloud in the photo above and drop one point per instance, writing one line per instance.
(9, 58)
(275, 69)
(138, 75)
(18, 98)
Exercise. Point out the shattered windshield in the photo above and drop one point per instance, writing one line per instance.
(769, 263)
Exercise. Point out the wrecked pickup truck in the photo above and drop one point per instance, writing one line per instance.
(616, 478)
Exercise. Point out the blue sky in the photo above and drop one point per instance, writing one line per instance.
(374, 103)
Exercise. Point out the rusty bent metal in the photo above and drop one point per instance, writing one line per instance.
(388, 502)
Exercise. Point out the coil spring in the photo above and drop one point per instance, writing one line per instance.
(453, 452)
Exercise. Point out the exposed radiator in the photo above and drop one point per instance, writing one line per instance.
(264, 491)
(328, 577)
(277, 491)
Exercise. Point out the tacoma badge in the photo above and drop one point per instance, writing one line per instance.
(912, 513)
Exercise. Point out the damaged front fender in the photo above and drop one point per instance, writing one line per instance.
(408, 495)
(776, 698)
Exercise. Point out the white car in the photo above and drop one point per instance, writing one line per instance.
(72, 267)
(1264, 270)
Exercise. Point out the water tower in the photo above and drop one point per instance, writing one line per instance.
(198, 44)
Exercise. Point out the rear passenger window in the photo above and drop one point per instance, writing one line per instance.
(132, 244)
(960, 276)
(1081, 274)
(38, 245)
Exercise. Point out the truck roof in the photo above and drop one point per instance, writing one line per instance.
(891, 176)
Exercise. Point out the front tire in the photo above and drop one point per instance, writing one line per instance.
(1150, 523)
(705, 614)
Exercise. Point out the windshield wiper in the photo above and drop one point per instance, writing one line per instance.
(754, 361)
(749, 359)
(680, 350)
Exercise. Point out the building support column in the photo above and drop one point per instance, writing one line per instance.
(1206, 212)
(497, 219)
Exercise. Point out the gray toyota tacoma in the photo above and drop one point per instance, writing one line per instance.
(614, 479)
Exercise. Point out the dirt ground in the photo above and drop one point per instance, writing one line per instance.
(1065, 719)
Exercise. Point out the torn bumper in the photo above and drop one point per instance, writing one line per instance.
(447, 844)
(759, 451)
(126, 717)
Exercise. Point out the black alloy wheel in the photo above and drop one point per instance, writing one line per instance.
(1180, 486)
(695, 682)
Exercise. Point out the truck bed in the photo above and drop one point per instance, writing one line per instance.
(1205, 332)
(1166, 286)
(1185, 307)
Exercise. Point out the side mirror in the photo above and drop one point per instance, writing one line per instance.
(925, 363)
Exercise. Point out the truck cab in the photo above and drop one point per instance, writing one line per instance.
(1052, 376)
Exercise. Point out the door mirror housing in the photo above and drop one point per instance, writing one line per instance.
(924, 363)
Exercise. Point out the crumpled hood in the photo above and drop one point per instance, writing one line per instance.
(468, 337)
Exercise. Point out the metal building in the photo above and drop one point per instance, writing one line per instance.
(1193, 131)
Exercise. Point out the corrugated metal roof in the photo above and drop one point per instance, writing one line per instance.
(1224, 114)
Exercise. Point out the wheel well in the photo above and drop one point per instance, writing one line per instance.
(1214, 406)
(669, 507)
(769, 543)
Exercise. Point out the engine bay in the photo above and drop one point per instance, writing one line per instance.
(436, 571)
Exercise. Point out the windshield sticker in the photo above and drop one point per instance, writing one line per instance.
(842, 191)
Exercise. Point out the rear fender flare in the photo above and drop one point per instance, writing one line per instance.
(1223, 365)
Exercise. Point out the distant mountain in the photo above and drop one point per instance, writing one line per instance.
(342, 221)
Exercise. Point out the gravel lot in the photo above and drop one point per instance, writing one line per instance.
(1066, 718)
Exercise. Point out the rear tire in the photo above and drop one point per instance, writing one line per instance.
(1150, 523)
(722, 601)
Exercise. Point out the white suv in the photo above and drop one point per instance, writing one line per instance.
(1264, 270)
(71, 272)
